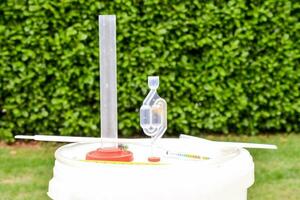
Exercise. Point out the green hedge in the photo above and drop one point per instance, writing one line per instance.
(225, 66)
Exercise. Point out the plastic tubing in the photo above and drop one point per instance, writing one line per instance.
(153, 113)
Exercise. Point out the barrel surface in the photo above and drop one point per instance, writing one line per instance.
(227, 175)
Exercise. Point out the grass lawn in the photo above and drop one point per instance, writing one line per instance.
(26, 169)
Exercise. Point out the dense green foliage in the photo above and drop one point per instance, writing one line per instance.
(225, 66)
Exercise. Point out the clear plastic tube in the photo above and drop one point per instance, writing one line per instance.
(153, 113)
(108, 79)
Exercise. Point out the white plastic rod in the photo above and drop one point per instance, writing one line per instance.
(108, 76)
(71, 139)
(231, 144)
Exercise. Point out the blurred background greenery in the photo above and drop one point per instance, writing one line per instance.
(225, 66)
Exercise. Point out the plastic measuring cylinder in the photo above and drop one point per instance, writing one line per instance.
(108, 76)
(108, 89)
(153, 113)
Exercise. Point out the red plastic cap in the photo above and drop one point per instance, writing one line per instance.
(154, 159)
(110, 154)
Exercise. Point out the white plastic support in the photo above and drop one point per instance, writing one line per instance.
(229, 144)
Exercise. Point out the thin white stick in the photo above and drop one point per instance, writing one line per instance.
(71, 139)
(67, 139)
(231, 144)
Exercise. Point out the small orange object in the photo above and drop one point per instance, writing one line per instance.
(153, 159)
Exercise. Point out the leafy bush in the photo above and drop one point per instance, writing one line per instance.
(225, 66)
(6, 135)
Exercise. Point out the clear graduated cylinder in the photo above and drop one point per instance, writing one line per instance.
(108, 76)
(153, 113)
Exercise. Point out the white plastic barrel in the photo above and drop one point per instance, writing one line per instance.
(227, 175)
